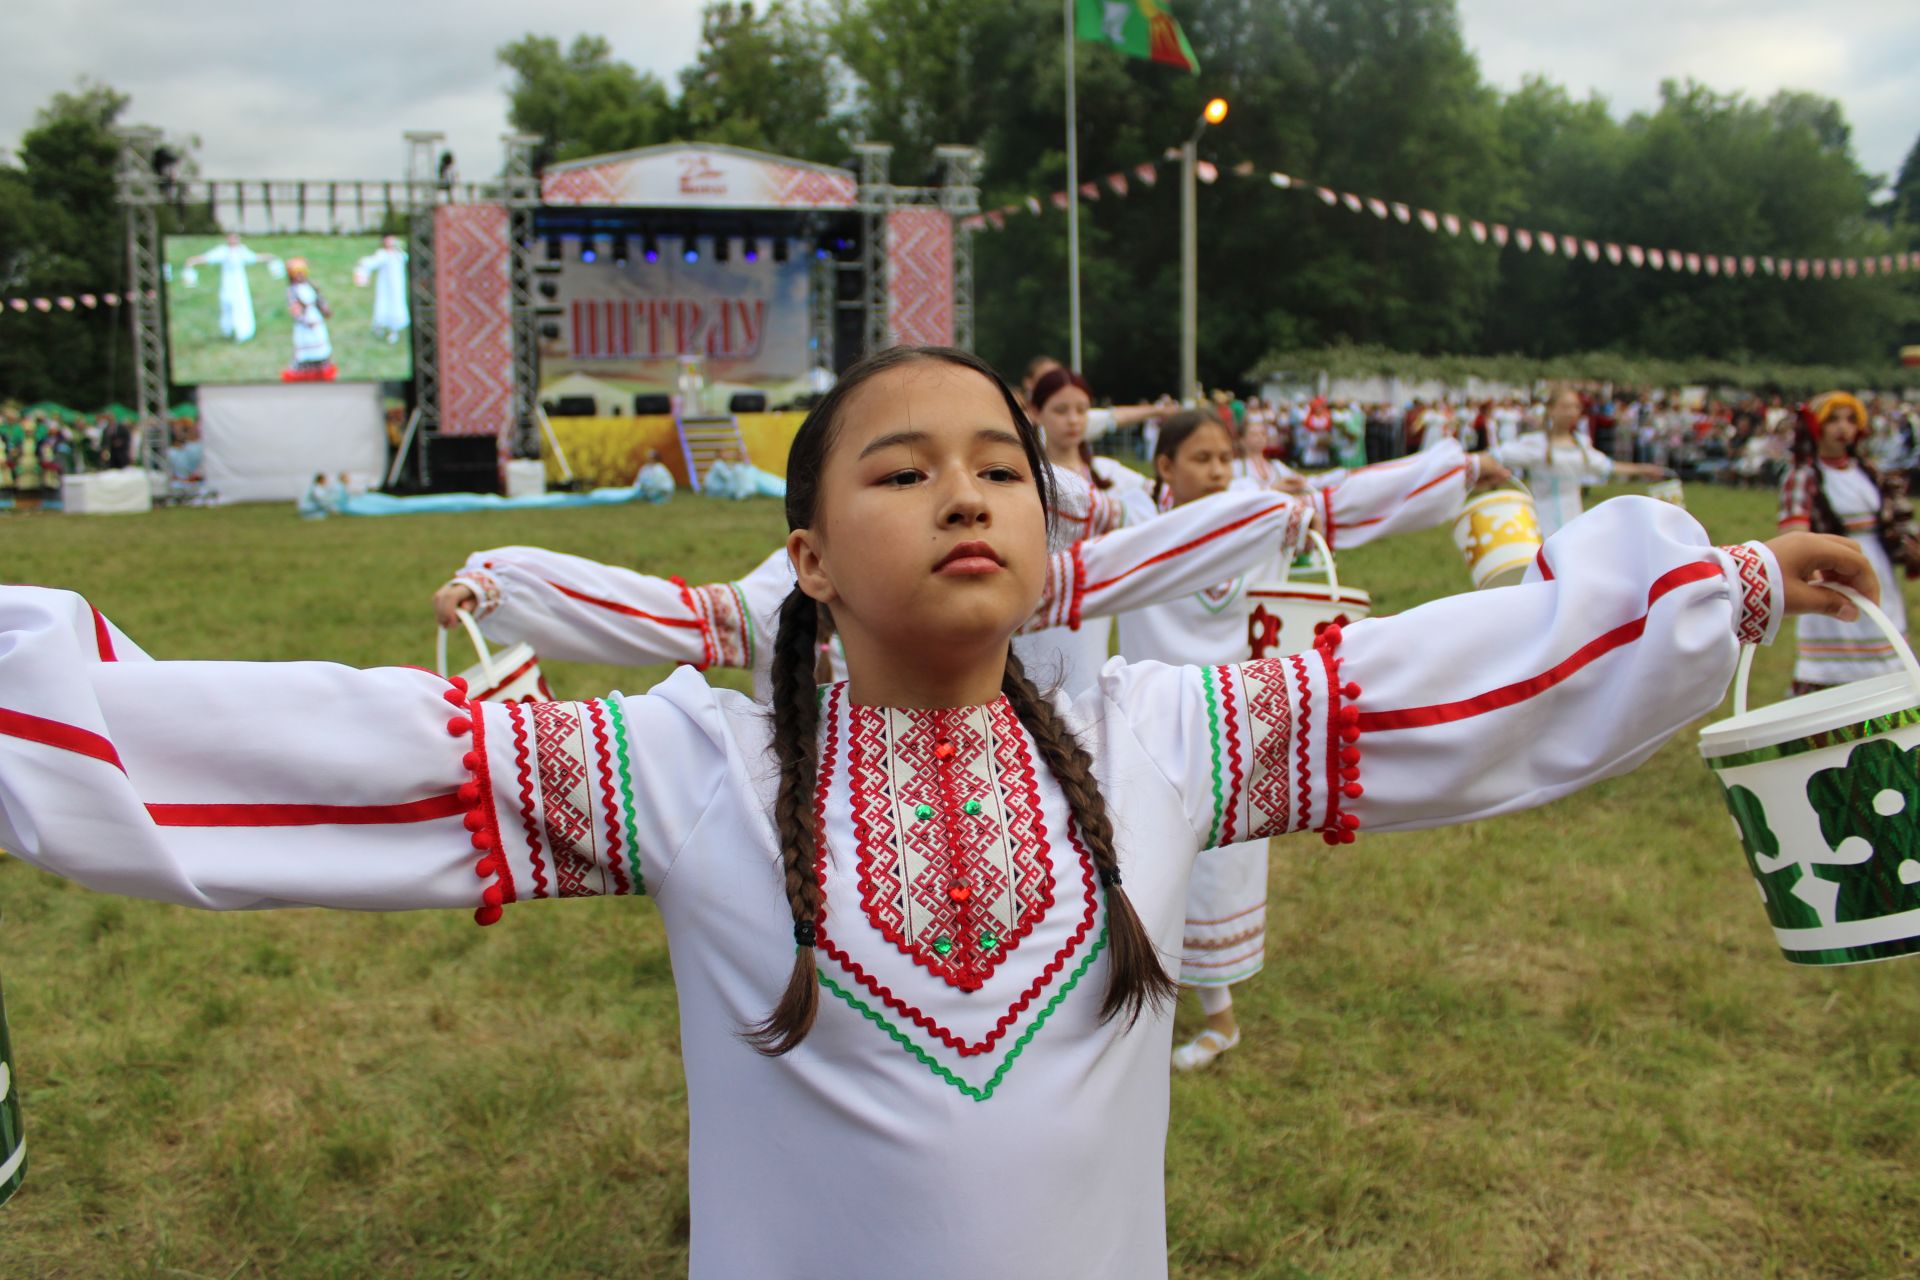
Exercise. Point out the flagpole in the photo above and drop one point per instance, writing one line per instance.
(1073, 205)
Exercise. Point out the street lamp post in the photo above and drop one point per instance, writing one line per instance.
(1215, 112)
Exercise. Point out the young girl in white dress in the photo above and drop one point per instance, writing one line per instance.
(1060, 403)
(1224, 937)
(916, 916)
(1833, 489)
(1558, 462)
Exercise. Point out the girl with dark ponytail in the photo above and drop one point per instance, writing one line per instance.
(920, 918)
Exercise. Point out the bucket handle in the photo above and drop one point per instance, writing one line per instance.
(1326, 558)
(1873, 614)
(479, 645)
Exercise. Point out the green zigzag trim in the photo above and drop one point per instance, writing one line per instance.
(1213, 735)
(746, 620)
(626, 793)
(982, 1093)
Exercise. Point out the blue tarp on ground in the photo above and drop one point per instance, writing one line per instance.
(385, 504)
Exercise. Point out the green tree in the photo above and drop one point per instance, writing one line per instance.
(762, 79)
(62, 232)
(583, 101)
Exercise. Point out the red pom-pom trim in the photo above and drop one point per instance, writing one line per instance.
(459, 726)
(1343, 723)
(469, 792)
(481, 819)
(459, 683)
(484, 916)
(474, 820)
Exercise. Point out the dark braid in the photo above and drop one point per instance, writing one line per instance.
(796, 723)
(1136, 978)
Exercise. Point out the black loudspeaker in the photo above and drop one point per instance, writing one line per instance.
(653, 404)
(575, 407)
(747, 402)
(463, 464)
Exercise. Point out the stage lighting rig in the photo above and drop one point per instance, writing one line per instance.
(620, 249)
(650, 247)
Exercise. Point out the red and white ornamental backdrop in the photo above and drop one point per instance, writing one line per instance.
(476, 327)
(920, 276)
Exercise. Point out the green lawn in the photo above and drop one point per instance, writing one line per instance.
(200, 354)
(1559, 1044)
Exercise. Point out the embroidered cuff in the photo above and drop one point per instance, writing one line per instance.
(485, 588)
(557, 807)
(1473, 471)
(726, 626)
(1284, 746)
(1759, 589)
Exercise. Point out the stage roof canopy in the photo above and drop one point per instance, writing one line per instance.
(693, 176)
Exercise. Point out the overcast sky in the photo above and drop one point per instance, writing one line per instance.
(326, 90)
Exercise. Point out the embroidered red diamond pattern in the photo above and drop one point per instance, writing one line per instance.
(1270, 721)
(950, 877)
(566, 798)
(1756, 601)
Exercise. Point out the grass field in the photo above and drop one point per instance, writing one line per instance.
(1555, 1044)
(200, 354)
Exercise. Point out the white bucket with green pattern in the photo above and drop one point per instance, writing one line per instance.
(13, 1142)
(1825, 795)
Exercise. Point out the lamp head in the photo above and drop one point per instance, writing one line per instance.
(1216, 111)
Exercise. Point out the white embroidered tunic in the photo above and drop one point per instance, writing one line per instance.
(1827, 650)
(959, 1109)
(1555, 480)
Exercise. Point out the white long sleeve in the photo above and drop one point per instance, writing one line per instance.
(1468, 706)
(1185, 550)
(580, 610)
(234, 785)
(1415, 492)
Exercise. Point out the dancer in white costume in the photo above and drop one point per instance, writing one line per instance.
(967, 1063)
(1833, 489)
(312, 344)
(236, 298)
(386, 269)
(1059, 404)
(1224, 938)
(1557, 462)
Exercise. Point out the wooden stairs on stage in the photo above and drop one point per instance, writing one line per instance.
(704, 440)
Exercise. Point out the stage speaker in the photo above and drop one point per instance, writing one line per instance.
(652, 404)
(575, 407)
(747, 402)
(463, 464)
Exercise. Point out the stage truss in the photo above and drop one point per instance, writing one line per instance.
(348, 206)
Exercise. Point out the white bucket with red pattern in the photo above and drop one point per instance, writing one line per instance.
(1284, 617)
(511, 675)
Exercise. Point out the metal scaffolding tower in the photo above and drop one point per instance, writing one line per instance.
(960, 197)
(520, 192)
(876, 202)
(140, 195)
(423, 160)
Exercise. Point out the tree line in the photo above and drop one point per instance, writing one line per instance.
(1381, 97)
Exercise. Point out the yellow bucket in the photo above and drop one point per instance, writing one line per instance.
(1499, 534)
(1285, 616)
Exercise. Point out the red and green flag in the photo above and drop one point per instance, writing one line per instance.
(1137, 28)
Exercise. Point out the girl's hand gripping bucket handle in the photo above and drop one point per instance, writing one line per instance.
(479, 646)
(1873, 613)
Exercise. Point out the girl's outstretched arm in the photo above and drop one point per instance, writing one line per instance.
(235, 785)
(1187, 549)
(1415, 492)
(579, 610)
(1626, 631)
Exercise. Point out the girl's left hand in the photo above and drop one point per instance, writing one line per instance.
(1808, 559)
(1492, 471)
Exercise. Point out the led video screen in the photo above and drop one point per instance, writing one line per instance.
(288, 308)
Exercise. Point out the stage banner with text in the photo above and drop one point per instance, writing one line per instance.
(746, 320)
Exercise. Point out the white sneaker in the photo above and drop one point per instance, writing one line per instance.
(1203, 1049)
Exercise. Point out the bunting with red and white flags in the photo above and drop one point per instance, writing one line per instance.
(1121, 184)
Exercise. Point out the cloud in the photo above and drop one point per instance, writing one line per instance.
(322, 92)
(1866, 53)
(326, 91)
